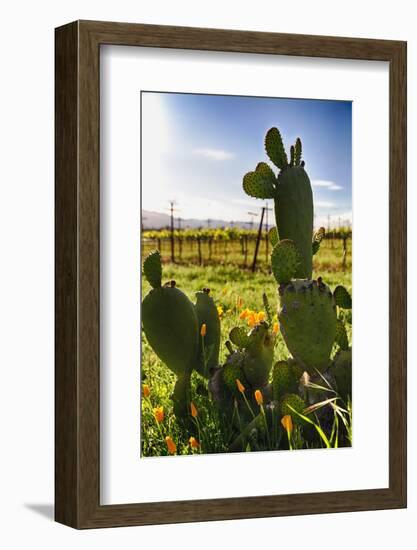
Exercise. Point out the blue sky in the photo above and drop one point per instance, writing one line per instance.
(196, 149)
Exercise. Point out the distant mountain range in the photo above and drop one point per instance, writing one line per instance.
(158, 220)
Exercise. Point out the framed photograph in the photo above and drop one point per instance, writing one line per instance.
(230, 274)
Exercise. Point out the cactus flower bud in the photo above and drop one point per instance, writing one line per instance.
(159, 415)
(172, 448)
(286, 421)
(259, 397)
(194, 444)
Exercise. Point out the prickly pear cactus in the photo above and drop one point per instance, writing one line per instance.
(209, 344)
(232, 371)
(342, 297)
(308, 322)
(285, 260)
(170, 323)
(293, 198)
(342, 372)
(260, 354)
(285, 378)
(297, 403)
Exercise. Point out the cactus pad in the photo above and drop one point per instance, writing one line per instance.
(170, 324)
(255, 184)
(275, 148)
(297, 403)
(208, 352)
(341, 338)
(266, 172)
(294, 214)
(284, 379)
(238, 337)
(298, 151)
(152, 269)
(232, 371)
(273, 236)
(342, 371)
(342, 297)
(285, 260)
(307, 319)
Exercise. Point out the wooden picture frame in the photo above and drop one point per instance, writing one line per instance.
(77, 374)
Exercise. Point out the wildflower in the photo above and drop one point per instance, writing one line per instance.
(259, 397)
(194, 444)
(145, 390)
(260, 316)
(194, 412)
(224, 291)
(220, 311)
(286, 421)
(252, 319)
(203, 330)
(239, 302)
(244, 313)
(158, 413)
(275, 328)
(172, 448)
(240, 386)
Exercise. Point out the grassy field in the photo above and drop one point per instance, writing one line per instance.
(233, 289)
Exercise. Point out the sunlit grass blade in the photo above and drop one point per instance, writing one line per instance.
(318, 428)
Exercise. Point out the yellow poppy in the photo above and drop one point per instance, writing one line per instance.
(203, 330)
(145, 390)
(194, 444)
(194, 412)
(240, 386)
(286, 421)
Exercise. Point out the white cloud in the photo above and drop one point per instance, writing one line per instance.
(334, 220)
(213, 154)
(324, 204)
(327, 184)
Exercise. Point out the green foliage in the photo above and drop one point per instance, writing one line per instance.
(285, 260)
(342, 297)
(152, 269)
(275, 148)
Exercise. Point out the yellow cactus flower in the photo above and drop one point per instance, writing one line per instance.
(194, 444)
(172, 448)
(159, 415)
(146, 392)
(259, 397)
(194, 412)
(275, 328)
(286, 421)
(203, 330)
(240, 386)
(220, 311)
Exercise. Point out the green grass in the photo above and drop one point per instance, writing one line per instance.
(230, 285)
